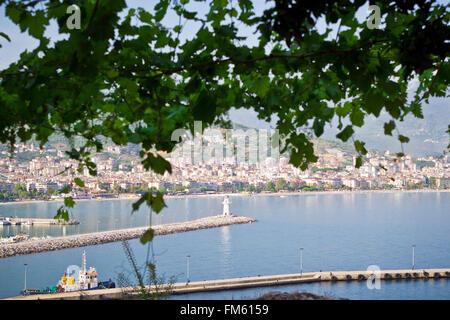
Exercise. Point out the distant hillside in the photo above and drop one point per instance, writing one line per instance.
(321, 146)
(427, 136)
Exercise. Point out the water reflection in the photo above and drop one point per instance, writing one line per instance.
(225, 240)
(225, 250)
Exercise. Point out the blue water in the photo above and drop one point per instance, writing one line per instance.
(337, 232)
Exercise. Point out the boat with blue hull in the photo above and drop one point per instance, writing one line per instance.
(86, 279)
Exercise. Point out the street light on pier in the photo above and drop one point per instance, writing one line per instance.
(187, 269)
(301, 261)
(25, 282)
(413, 256)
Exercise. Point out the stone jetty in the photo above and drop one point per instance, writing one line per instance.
(89, 239)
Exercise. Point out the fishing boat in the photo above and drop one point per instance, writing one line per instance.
(14, 238)
(4, 222)
(87, 279)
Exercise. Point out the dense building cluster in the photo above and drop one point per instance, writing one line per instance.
(51, 170)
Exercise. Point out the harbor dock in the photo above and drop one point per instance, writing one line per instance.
(35, 221)
(249, 282)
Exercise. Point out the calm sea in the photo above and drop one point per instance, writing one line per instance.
(337, 232)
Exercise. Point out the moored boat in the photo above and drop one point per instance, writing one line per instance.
(87, 279)
(5, 223)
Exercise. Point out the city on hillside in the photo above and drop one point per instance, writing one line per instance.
(34, 173)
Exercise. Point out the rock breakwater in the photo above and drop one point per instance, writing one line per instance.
(89, 239)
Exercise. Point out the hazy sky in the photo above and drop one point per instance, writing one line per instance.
(21, 41)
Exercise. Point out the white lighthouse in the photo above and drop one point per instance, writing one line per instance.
(226, 206)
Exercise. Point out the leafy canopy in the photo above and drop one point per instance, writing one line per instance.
(128, 76)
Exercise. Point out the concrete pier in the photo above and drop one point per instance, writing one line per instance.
(36, 221)
(81, 240)
(260, 281)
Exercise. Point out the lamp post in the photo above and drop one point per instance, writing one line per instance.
(301, 261)
(413, 262)
(25, 282)
(187, 269)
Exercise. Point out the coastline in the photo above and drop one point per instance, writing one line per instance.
(241, 194)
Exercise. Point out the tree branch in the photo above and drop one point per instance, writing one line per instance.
(231, 59)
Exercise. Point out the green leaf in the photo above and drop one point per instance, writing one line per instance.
(66, 189)
(68, 202)
(189, 15)
(35, 24)
(157, 163)
(332, 91)
(4, 35)
(156, 202)
(318, 126)
(403, 139)
(13, 13)
(144, 16)
(357, 117)
(358, 162)
(390, 87)
(345, 134)
(79, 182)
(161, 9)
(388, 127)
(359, 146)
(260, 86)
(62, 213)
(374, 103)
(136, 205)
(205, 107)
(303, 152)
(344, 110)
(147, 236)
